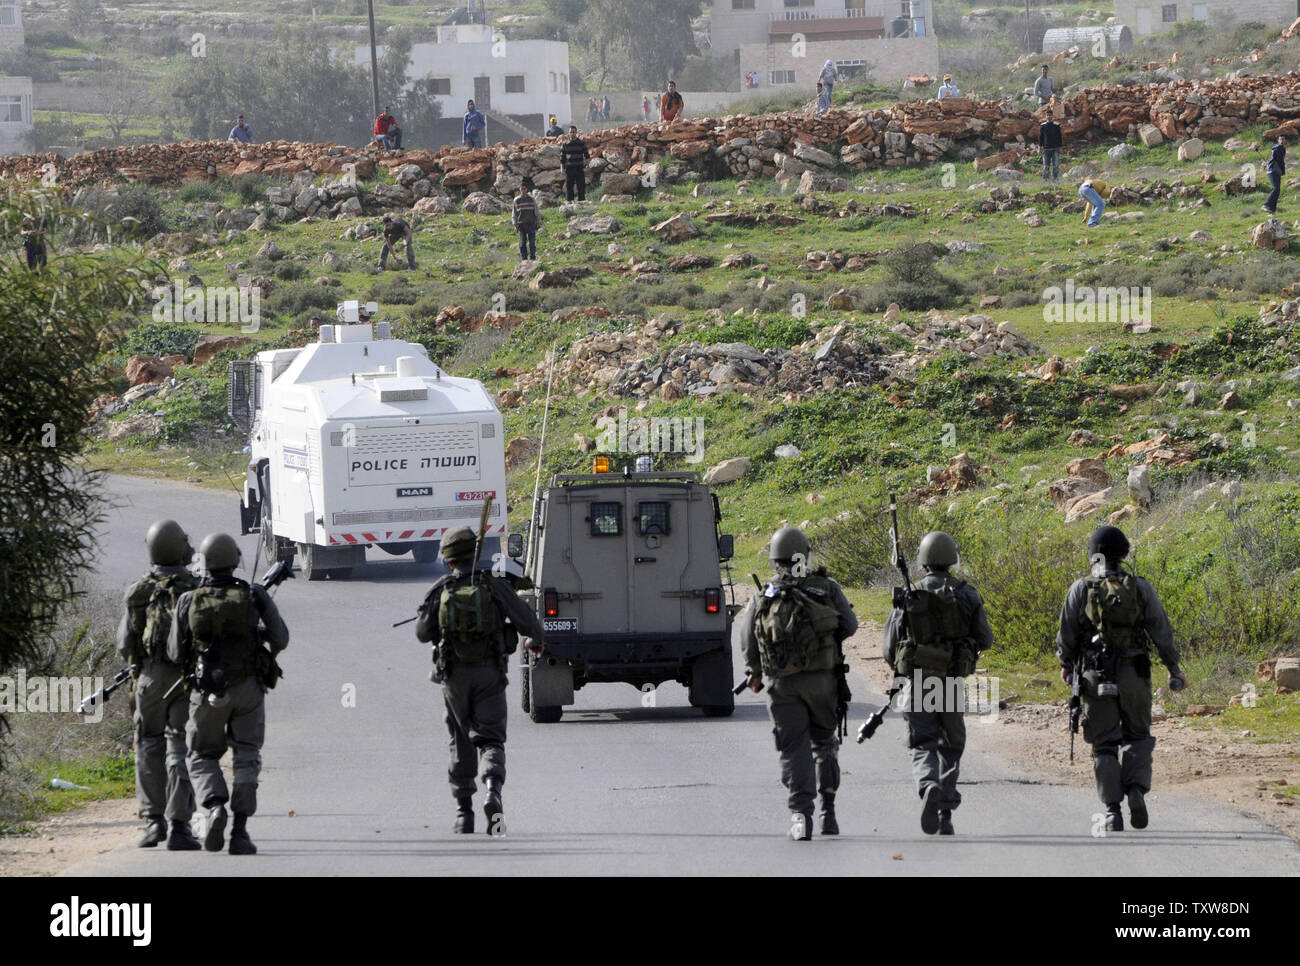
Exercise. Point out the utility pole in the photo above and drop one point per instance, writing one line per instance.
(1028, 33)
(374, 60)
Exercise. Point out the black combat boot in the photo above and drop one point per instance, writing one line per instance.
(945, 822)
(801, 826)
(930, 810)
(182, 838)
(829, 825)
(493, 810)
(1137, 808)
(240, 843)
(155, 831)
(464, 815)
(215, 838)
(1114, 818)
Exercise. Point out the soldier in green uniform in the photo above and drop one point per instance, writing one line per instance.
(791, 633)
(1108, 623)
(476, 619)
(162, 782)
(940, 636)
(220, 635)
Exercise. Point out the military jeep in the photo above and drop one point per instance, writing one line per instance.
(627, 579)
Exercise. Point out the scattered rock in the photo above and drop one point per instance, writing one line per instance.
(209, 346)
(728, 471)
(678, 228)
(521, 450)
(146, 370)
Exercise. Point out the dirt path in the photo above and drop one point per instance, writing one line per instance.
(69, 839)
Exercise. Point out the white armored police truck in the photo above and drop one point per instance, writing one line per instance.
(359, 440)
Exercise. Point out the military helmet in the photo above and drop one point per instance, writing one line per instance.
(787, 543)
(1108, 541)
(219, 552)
(458, 543)
(168, 544)
(937, 550)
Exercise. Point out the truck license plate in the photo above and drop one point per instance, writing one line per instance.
(561, 625)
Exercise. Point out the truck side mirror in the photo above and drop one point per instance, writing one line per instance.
(515, 545)
(726, 546)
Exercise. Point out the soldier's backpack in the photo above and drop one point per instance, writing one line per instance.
(470, 622)
(938, 641)
(222, 625)
(153, 601)
(792, 626)
(1114, 606)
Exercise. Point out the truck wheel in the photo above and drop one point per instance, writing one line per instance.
(547, 715)
(307, 561)
(524, 698)
(425, 553)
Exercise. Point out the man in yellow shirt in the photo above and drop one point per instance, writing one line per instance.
(1094, 192)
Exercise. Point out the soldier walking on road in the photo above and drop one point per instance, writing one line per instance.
(476, 619)
(218, 636)
(162, 782)
(791, 633)
(1109, 620)
(939, 636)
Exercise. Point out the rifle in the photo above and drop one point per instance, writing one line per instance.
(103, 694)
(901, 596)
(279, 572)
(745, 683)
(1076, 701)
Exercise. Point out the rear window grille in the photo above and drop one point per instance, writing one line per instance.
(606, 519)
(652, 518)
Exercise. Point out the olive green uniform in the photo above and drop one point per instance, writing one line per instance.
(1117, 728)
(802, 705)
(162, 780)
(474, 693)
(237, 719)
(937, 738)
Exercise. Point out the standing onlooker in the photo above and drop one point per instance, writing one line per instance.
(670, 103)
(645, 108)
(554, 130)
(526, 219)
(1043, 88)
(1275, 168)
(395, 231)
(948, 88)
(241, 132)
(394, 130)
(1095, 193)
(604, 108)
(1049, 140)
(829, 77)
(573, 158)
(34, 249)
(591, 110)
(475, 125)
(823, 98)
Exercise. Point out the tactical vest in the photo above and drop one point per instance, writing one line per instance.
(795, 626)
(1114, 606)
(472, 629)
(937, 640)
(222, 621)
(152, 605)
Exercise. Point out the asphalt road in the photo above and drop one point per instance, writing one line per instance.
(614, 788)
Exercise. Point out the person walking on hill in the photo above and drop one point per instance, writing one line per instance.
(1275, 168)
(645, 108)
(574, 156)
(823, 98)
(1049, 140)
(526, 219)
(475, 125)
(829, 77)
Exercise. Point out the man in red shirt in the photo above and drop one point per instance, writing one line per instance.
(670, 103)
(382, 123)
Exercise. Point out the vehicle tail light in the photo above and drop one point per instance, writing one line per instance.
(713, 599)
(551, 602)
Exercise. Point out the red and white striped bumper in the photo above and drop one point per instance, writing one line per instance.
(396, 536)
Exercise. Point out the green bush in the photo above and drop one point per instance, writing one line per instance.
(160, 339)
(300, 296)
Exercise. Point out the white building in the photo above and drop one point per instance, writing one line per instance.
(1148, 17)
(784, 43)
(521, 78)
(11, 24)
(17, 129)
